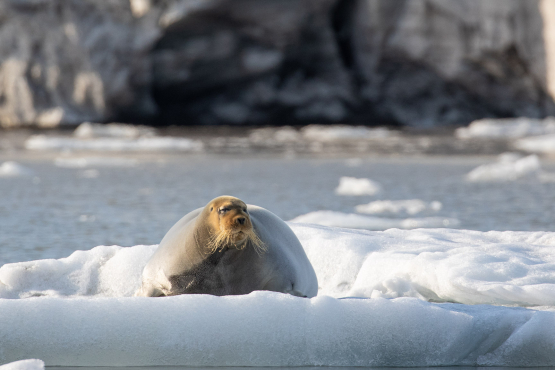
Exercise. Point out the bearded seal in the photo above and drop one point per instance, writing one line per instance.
(229, 248)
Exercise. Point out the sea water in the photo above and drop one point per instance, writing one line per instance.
(55, 204)
(65, 203)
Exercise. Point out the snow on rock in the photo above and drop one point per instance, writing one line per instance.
(409, 207)
(507, 128)
(81, 311)
(13, 169)
(32, 364)
(537, 144)
(354, 186)
(43, 142)
(327, 133)
(354, 221)
(509, 167)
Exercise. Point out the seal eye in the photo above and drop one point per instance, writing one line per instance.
(223, 210)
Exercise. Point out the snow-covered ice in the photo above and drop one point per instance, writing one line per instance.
(355, 221)
(31, 364)
(354, 186)
(80, 310)
(507, 128)
(82, 162)
(13, 169)
(396, 207)
(537, 144)
(328, 133)
(43, 142)
(508, 167)
(88, 130)
(114, 137)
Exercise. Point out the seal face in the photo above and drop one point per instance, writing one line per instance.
(230, 225)
(226, 248)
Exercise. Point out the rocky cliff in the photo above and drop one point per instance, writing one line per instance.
(422, 63)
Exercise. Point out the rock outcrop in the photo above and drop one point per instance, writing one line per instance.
(422, 63)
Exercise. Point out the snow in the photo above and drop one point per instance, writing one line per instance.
(354, 186)
(31, 364)
(327, 133)
(88, 130)
(82, 162)
(43, 142)
(113, 137)
(13, 169)
(508, 167)
(81, 311)
(507, 128)
(537, 144)
(409, 207)
(354, 221)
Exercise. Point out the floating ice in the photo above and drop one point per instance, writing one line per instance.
(507, 128)
(89, 319)
(343, 132)
(354, 186)
(32, 364)
(354, 221)
(82, 162)
(508, 167)
(410, 207)
(13, 169)
(42, 142)
(88, 130)
(537, 144)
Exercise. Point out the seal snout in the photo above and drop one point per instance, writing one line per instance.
(241, 220)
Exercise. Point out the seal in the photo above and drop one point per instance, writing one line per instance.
(229, 248)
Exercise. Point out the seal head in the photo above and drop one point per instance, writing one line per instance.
(229, 225)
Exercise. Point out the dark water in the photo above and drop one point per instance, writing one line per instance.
(58, 210)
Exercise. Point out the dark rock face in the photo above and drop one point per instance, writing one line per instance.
(421, 63)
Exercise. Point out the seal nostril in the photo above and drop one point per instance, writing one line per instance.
(241, 220)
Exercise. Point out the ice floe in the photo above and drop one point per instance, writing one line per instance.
(399, 207)
(88, 130)
(537, 144)
(509, 166)
(343, 132)
(354, 186)
(81, 313)
(82, 162)
(113, 138)
(13, 169)
(43, 142)
(355, 221)
(31, 364)
(507, 128)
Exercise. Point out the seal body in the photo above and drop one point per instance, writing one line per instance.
(190, 261)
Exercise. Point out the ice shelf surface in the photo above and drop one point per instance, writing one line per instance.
(385, 299)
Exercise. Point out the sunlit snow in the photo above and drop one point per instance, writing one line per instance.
(395, 207)
(31, 364)
(507, 128)
(13, 169)
(354, 186)
(355, 221)
(508, 167)
(79, 310)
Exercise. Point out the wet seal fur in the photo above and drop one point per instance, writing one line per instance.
(229, 248)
